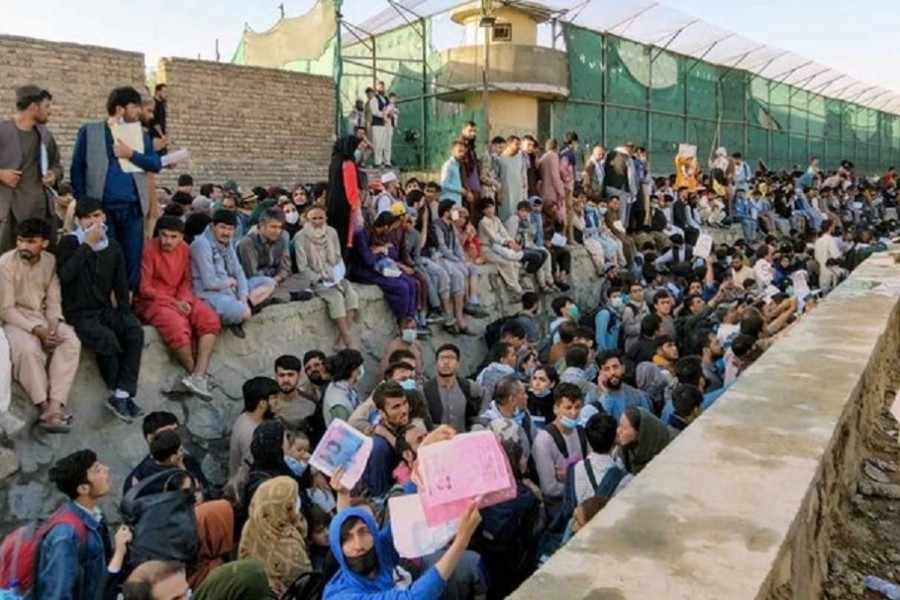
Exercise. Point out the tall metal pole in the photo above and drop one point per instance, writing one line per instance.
(487, 27)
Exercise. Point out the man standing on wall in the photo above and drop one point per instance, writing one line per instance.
(97, 173)
(378, 107)
(158, 125)
(29, 164)
(471, 178)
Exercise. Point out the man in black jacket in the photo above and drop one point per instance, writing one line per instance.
(451, 399)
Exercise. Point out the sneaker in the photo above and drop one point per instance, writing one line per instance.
(119, 407)
(475, 310)
(133, 409)
(10, 425)
(563, 287)
(434, 316)
(197, 386)
(237, 330)
(423, 332)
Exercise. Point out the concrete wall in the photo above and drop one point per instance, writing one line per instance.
(742, 505)
(257, 126)
(293, 328)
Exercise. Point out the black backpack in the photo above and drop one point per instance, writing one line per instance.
(308, 586)
(494, 328)
(163, 523)
(560, 441)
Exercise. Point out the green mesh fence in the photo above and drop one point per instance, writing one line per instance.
(624, 91)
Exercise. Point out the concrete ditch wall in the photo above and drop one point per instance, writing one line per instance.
(293, 328)
(742, 505)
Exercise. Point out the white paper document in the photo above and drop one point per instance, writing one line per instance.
(703, 247)
(178, 156)
(342, 446)
(413, 538)
(132, 135)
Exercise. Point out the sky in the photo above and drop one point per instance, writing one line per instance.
(839, 34)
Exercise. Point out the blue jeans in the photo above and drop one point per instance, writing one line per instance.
(125, 224)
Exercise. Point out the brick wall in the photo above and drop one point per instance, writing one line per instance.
(79, 77)
(257, 126)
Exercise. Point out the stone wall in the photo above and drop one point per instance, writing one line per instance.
(79, 77)
(287, 329)
(257, 126)
(742, 505)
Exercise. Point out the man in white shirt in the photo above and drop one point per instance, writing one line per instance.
(601, 436)
(378, 108)
(827, 249)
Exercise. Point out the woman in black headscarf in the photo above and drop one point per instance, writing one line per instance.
(640, 436)
(343, 204)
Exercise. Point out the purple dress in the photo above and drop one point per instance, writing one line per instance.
(399, 292)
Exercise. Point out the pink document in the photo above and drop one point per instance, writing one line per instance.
(455, 472)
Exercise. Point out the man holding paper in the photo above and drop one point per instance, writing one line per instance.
(29, 164)
(111, 161)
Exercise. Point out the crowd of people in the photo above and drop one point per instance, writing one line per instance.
(581, 397)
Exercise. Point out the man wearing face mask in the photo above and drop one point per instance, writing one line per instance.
(503, 364)
(560, 444)
(91, 269)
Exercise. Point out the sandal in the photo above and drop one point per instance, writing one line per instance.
(452, 329)
(53, 424)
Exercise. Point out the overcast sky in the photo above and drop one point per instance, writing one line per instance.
(857, 38)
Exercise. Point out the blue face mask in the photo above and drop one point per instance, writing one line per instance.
(408, 335)
(358, 156)
(542, 394)
(408, 384)
(297, 467)
(568, 423)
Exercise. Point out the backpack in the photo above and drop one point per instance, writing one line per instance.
(20, 551)
(494, 328)
(611, 479)
(164, 524)
(307, 586)
(560, 442)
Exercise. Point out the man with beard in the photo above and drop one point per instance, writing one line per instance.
(29, 164)
(711, 352)
(294, 409)
(260, 394)
(452, 400)
(471, 178)
(393, 415)
(97, 173)
(615, 395)
(45, 350)
(317, 378)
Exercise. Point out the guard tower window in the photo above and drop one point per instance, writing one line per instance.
(502, 32)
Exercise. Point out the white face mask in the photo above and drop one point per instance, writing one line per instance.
(292, 217)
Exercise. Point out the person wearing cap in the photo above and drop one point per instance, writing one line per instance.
(388, 195)
(166, 301)
(218, 277)
(97, 173)
(29, 164)
(91, 269)
(678, 260)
